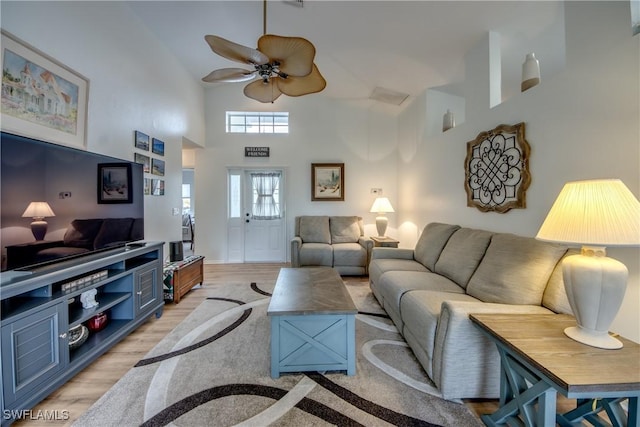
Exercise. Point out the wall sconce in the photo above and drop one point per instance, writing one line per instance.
(38, 211)
(530, 72)
(381, 206)
(594, 214)
(448, 121)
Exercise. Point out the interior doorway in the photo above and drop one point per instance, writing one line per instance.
(256, 224)
(188, 211)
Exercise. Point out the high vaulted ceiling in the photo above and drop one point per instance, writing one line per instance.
(360, 45)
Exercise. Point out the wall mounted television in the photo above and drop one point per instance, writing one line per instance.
(67, 179)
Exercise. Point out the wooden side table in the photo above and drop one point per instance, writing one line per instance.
(385, 242)
(180, 276)
(538, 360)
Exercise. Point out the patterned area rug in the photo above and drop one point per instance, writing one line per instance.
(213, 370)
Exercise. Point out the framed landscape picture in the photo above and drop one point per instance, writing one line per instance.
(157, 187)
(157, 146)
(327, 181)
(141, 140)
(114, 183)
(42, 98)
(145, 161)
(157, 167)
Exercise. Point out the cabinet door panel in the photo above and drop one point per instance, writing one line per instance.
(148, 289)
(33, 346)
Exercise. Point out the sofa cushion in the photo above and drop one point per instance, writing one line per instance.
(433, 239)
(114, 231)
(82, 232)
(462, 254)
(349, 254)
(316, 254)
(344, 229)
(314, 229)
(420, 311)
(514, 270)
(555, 297)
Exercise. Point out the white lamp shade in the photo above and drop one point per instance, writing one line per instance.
(594, 212)
(382, 205)
(38, 210)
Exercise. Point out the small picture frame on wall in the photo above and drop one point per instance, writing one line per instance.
(157, 167)
(157, 186)
(114, 183)
(141, 141)
(327, 182)
(157, 146)
(145, 161)
(147, 186)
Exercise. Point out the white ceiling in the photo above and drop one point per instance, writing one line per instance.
(404, 46)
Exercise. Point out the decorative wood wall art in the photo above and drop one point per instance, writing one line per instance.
(497, 169)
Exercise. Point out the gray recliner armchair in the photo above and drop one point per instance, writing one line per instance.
(331, 241)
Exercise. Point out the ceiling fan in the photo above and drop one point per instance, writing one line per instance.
(281, 65)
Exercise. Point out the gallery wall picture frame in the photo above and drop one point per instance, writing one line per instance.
(147, 186)
(141, 140)
(114, 183)
(157, 187)
(58, 112)
(497, 169)
(144, 160)
(157, 167)
(327, 182)
(157, 146)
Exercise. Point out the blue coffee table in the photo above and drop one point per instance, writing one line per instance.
(312, 322)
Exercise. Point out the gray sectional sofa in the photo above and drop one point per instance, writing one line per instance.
(453, 271)
(332, 241)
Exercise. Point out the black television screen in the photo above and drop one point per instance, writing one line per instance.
(97, 202)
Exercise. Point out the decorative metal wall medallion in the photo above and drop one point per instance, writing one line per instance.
(497, 169)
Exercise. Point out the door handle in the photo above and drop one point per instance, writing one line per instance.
(246, 220)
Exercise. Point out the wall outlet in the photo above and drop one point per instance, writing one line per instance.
(376, 191)
(64, 194)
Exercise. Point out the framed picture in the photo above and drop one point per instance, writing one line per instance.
(497, 169)
(58, 111)
(157, 146)
(147, 186)
(157, 187)
(327, 181)
(114, 183)
(157, 167)
(141, 140)
(145, 161)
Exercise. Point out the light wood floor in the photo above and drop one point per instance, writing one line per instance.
(78, 394)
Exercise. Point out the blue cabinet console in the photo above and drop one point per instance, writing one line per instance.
(41, 305)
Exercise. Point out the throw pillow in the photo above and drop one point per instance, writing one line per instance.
(315, 229)
(344, 229)
(81, 233)
(515, 270)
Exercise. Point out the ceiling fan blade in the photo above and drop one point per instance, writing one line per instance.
(229, 75)
(235, 51)
(294, 54)
(263, 92)
(297, 86)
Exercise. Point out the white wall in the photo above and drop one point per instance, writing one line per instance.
(360, 134)
(581, 123)
(135, 84)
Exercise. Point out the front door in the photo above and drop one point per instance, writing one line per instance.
(258, 233)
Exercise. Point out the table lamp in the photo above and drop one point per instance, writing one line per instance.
(381, 206)
(594, 214)
(38, 211)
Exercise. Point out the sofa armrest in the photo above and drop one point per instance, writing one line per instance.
(296, 243)
(455, 373)
(395, 253)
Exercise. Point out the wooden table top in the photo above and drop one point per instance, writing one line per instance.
(310, 290)
(574, 367)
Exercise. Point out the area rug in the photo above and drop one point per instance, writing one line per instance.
(213, 369)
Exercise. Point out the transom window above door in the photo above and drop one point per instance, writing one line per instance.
(257, 122)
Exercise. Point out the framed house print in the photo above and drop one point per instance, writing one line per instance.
(114, 183)
(42, 98)
(327, 182)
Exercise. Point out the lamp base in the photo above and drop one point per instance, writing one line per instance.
(593, 339)
(39, 229)
(381, 225)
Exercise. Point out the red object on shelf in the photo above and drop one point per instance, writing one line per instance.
(97, 322)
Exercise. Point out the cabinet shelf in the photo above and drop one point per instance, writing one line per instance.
(77, 314)
(97, 340)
